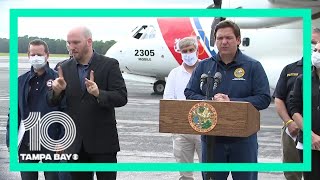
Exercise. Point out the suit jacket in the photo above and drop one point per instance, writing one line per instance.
(94, 117)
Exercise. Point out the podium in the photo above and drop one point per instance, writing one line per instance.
(233, 119)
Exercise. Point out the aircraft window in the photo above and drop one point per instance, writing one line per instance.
(246, 42)
(150, 33)
(140, 32)
(145, 32)
(134, 29)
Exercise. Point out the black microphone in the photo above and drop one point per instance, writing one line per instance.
(217, 80)
(203, 80)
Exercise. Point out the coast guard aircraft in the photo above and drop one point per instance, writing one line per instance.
(150, 53)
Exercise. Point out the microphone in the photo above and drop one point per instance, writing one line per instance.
(217, 80)
(203, 80)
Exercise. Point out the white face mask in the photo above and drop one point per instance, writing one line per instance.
(190, 59)
(37, 62)
(315, 58)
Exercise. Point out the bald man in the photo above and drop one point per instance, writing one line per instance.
(93, 86)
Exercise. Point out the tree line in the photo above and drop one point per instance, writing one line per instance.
(56, 46)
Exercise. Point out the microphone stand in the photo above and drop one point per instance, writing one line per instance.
(209, 139)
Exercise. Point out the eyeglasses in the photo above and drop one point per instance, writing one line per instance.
(190, 50)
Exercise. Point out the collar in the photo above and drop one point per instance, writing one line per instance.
(183, 68)
(299, 63)
(89, 60)
(237, 60)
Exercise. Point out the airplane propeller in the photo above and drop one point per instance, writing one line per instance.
(216, 4)
(315, 16)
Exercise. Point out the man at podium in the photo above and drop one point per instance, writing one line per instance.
(230, 75)
(184, 145)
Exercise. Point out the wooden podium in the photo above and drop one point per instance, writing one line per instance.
(234, 119)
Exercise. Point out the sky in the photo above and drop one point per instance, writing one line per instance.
(102, 28)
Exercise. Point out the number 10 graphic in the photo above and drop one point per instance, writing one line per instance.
(39, 134)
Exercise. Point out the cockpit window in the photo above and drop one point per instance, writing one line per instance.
(144, 32)
(134, 29)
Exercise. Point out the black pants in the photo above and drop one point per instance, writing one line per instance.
(85, 157)
(315, 166)
(24, 149)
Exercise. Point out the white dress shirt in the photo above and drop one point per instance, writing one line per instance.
(177, 81)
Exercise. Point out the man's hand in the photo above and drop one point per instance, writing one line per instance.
(91, 86)
(221, 97)
(293, 129)
(59, 84)
(315, 141)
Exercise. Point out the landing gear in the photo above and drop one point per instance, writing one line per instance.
(158, 87)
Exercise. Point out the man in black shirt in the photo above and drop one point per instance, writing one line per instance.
(281, 95)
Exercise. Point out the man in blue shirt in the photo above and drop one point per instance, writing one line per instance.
(243, 79)
(32, 90)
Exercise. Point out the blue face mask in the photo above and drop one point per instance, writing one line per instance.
(189, 59)
(37, 62)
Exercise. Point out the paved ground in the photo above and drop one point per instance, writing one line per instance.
(140, 140)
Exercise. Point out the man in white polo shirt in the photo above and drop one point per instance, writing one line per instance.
(184, 145)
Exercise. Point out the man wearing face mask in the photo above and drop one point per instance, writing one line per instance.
(281, 95)
(296, 104)
(184, 145)
(32, 89)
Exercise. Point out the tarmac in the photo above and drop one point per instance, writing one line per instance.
(138, 128)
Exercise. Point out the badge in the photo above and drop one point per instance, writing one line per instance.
(49, 83)
(292, 74)
(202, 117)
(239, 73)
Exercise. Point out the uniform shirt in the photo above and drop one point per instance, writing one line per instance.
(37, 86)
(177, 81)
(286, 81)
(32, 97)
(242, 80)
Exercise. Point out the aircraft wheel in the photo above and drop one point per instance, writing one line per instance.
(158, 87)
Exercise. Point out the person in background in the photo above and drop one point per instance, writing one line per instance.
(32, 90)
(184, 145)
(61, 62)
(281, 96)
(296, 105)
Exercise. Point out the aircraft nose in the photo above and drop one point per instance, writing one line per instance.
(114, 52)
(117, 53)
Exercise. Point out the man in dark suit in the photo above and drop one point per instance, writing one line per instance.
(93, 86)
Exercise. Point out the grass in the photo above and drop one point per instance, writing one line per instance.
(25, 55)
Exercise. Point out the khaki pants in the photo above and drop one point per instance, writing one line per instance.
(184, 147)
(289, 154)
